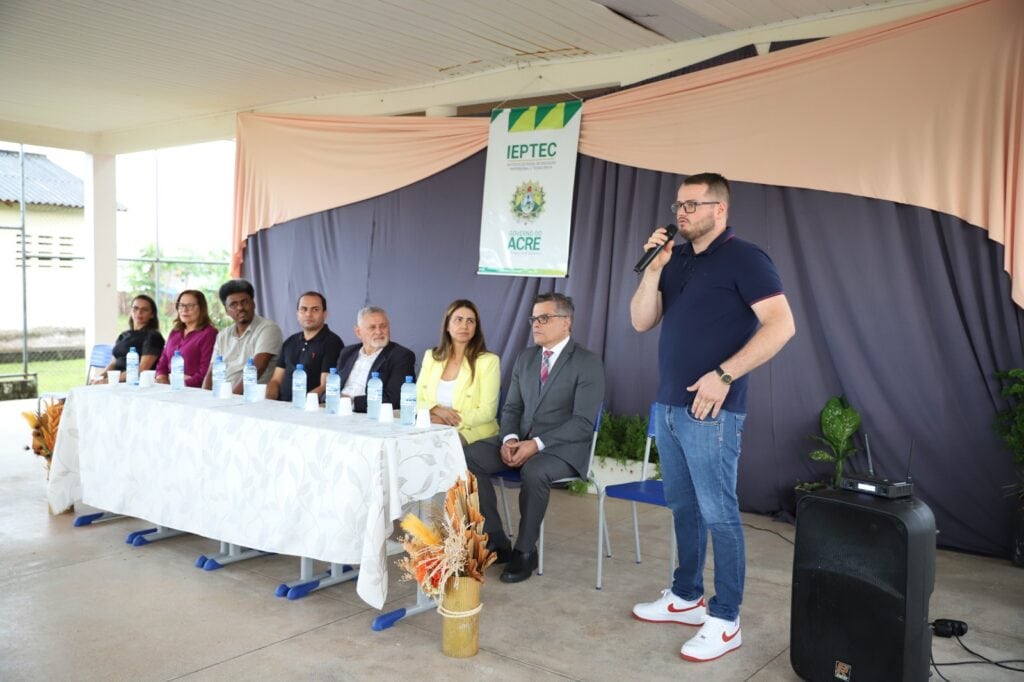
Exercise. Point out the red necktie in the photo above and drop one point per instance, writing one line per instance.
(545, 366)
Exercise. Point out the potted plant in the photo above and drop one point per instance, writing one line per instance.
(446, 559)
(623, 438)
(1010, 426)
(839, 421)
(619, 451)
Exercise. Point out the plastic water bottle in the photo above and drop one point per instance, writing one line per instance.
(333, 391)
(299, 387)
(408, 402)
(132, 366)
(220, 373)
(177, 371)
(249, 379)
(374, 395)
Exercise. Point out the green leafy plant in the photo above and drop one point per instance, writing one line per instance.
(623, 438)
(1010, 425)
(810, 486)
(578, 487)
(1017, 489)
(839, 421)
(192, 270)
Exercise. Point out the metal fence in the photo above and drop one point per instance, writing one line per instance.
(47, 288)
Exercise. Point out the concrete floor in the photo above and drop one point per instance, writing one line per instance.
(79, 604)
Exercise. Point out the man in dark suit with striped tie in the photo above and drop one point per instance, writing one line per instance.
(547, 424)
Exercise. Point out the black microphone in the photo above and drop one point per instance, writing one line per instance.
(670, 231)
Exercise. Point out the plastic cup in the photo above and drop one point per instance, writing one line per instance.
(387, 413)
(225, 390)
(114, 376)
(147, 378)
(422, 419)
(312, 402)
(259, 393)
(344, 405)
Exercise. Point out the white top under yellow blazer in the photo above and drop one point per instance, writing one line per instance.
(476, 401)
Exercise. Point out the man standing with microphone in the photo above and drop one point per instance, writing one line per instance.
(723, 313)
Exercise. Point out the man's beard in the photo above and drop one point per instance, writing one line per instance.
(694, 231)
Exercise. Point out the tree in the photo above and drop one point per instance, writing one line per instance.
(175, 276)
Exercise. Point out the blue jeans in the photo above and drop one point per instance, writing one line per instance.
(699, 460)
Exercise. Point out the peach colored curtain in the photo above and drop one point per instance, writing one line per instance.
(291, 166)
(925, 111)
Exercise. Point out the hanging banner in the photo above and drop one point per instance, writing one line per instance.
(531, 170)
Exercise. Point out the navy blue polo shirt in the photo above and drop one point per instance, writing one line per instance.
(706, 314)
(316, 355)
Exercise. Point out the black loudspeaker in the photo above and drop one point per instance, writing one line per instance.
(863, 572)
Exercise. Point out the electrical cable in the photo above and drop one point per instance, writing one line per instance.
(986, 659)
(768, 530)
(1012, 660)
(935, 665)
(945, 627)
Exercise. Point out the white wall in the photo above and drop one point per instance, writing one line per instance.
(58, 290)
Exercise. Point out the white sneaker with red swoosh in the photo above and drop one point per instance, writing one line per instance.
(672, 609)
(717, 638)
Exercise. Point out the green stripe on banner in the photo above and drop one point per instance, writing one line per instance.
(541, 116)
(549, 116)
(495, 113)
(570, 110)
(521, 119)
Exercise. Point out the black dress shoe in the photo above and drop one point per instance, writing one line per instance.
(504, 554)
(520, 567)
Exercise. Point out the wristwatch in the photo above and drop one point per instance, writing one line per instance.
(723, 375)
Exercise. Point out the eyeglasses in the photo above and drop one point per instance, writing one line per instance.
(690, 206)
(543, 319)
(235, 305)
(187, 306)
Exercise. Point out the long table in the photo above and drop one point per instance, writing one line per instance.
(261, 475)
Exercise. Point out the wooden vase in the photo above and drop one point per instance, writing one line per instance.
(460, 628)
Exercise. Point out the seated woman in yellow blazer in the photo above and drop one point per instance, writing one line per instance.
(459, 380)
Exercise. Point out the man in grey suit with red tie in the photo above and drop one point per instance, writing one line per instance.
(547, 425)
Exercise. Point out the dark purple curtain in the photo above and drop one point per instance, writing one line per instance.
(904, 311)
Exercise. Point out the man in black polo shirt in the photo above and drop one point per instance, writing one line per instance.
(722, 310)
(316, 348)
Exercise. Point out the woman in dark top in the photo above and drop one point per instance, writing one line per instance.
(143, 333)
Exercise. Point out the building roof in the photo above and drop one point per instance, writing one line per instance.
(46, 183)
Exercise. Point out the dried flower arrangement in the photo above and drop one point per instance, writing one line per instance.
(454, 548)
(44, 423)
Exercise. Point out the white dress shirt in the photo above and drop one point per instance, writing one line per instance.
(357, 378)
(556, 350)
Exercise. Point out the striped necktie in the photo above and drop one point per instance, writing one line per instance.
(545, 366)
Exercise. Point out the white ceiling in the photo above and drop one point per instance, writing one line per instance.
(80, 69)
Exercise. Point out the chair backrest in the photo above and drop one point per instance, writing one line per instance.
(647, 447)
(593, 441)
(99, 358)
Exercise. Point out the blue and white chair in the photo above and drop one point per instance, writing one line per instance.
(99, 359)
(642, 491)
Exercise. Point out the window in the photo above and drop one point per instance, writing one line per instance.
(174, 224)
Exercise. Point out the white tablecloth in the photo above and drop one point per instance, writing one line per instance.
(260, 475)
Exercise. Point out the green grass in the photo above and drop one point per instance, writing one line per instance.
(55, 376)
